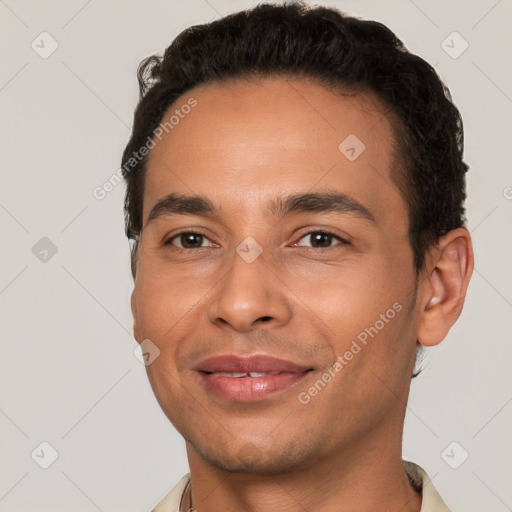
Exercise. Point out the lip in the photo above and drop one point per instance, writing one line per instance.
(253, 363)
(249, 389)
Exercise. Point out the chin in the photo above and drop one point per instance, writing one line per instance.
(250, 459)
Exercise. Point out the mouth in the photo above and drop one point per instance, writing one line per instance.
(249, 379)
(244, 374)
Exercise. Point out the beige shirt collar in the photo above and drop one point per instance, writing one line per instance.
(431, 501)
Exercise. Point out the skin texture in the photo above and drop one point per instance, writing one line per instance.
(243, 144)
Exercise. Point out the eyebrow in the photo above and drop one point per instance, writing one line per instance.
(320, 202)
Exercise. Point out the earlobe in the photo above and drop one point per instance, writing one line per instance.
(133, 305)
(444, 289)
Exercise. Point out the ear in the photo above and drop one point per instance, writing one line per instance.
(444, 288)
(133, 305)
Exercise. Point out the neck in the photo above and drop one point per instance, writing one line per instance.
(366, 476)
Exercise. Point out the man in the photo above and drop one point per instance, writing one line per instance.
(295, 190)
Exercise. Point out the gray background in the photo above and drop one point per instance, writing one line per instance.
(68, 373)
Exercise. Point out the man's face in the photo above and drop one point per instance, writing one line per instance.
(326, 283)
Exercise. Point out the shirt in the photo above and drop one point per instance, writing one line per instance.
(431, 501)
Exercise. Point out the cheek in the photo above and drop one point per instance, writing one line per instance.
(353, 298)
(165, 298)
(366, 309)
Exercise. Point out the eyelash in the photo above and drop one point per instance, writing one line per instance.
(322, 231)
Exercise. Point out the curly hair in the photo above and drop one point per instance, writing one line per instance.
(340, 52)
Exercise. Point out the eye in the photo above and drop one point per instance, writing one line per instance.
(322, 239)
(188, 240)
(193, 240)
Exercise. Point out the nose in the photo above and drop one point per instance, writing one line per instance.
(249, 295)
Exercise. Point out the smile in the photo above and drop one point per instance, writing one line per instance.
(249, 378)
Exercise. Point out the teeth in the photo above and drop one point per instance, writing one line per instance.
(244, 374)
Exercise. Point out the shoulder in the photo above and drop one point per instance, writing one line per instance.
(431, 500)
(171, 502)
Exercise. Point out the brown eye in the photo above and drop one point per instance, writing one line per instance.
(187, 240)
(322, 239)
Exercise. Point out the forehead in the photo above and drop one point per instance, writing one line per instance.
(245, 142)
